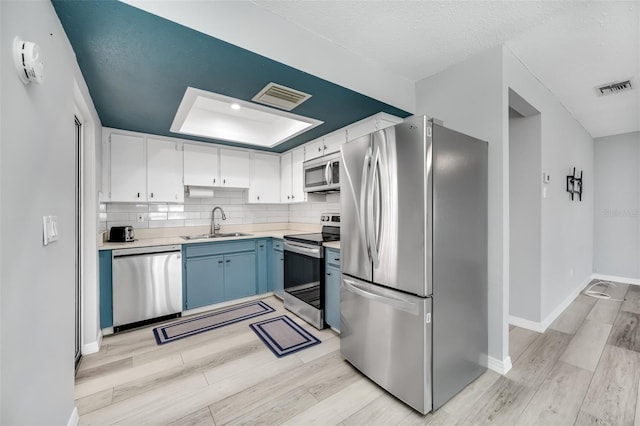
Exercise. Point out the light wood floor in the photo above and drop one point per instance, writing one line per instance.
(585, 369)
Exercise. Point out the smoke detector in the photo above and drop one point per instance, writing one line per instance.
(26, 58)
(279, 96)
(611, 88)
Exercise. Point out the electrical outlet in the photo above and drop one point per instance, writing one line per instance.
(140, 217)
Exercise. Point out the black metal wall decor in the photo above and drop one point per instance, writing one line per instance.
(574, 185)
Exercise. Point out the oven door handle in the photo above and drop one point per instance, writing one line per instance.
(304, 250)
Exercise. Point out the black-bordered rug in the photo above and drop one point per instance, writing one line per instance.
(209, 321)
(283, 335)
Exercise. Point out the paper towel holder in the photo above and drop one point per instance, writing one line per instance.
(199, 192)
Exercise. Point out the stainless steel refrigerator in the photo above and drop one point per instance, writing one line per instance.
(413, 304)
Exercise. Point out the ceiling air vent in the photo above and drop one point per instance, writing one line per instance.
(611, 88)
(280, 97)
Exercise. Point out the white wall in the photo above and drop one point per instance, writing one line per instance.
(469, 98)
(525, 221)
(567, 226)
(617, 206)
(37, 179)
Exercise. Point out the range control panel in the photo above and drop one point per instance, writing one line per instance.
(330, 219)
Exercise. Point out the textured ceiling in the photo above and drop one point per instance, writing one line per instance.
(570, 46)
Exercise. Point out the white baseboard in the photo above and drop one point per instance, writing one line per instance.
(525, 323)
(75, 418)
(501, 367)
(93, 347)
(541, 327)
(634, 281)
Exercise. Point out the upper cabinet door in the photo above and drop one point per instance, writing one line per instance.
(285, 177)
(265, 179)
(297, 176)
(314, 149)
(201, 166)
(333, 141)
(128, 168)
(164, 171)
(235, 166)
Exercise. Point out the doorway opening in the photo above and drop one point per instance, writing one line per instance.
(525, 211)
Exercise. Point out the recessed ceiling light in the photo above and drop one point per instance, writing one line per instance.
(208, 115)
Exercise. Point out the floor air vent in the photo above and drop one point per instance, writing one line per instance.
(280, 97)
(611, 88)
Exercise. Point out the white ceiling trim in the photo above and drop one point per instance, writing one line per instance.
(290, 44)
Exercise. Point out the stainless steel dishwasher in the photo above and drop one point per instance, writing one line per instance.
(147, 285)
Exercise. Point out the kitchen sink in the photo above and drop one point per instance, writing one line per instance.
(218, 235)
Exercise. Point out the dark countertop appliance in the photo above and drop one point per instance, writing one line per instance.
(304, 270)
(121, 234)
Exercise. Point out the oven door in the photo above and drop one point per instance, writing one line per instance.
(303, 282)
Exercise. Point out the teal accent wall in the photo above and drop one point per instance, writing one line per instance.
(138, 65)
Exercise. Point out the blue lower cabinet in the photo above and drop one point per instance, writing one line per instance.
(204, 279)
(240, 275)
(276, 268)
(222, 271)
(262, 250)
(106, 299)
(332, 288)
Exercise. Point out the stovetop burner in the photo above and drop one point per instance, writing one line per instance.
(330, 231)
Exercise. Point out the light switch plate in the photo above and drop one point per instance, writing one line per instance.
(49, 229)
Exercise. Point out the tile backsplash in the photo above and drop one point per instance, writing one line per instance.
(197, 211)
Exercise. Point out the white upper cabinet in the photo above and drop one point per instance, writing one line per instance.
(235, 167)
(333, 141)
(314, 149)
(369, 125)
(265, 179)
(285, 177)
(325, 145)
(128, 157)
(164, 171)
(201, 165)
(297, 176)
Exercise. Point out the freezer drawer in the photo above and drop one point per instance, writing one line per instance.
(387, 336)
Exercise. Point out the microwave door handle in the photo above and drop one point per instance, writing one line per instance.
(327, 176)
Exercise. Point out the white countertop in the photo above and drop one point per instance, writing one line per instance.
(172, 240)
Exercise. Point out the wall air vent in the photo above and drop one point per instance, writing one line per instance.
(611, 88)
(280, 97)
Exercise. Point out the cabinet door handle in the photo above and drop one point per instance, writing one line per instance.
(220, 261)
(293, 196)
(337, 259)
(258, 198)
(138, 195)
(228, 260)
(328, 273)
(281, 259)
(288, 197)
(261, 245)
(224, 181)
(319, 149)
(152, 195)
(214, 180)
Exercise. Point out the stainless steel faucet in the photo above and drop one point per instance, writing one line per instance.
(215, 227)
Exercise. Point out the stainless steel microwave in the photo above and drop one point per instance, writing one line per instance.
(322, 174)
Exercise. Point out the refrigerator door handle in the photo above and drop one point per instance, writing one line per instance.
(401, 304)
(363, 202)
(372, 236)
